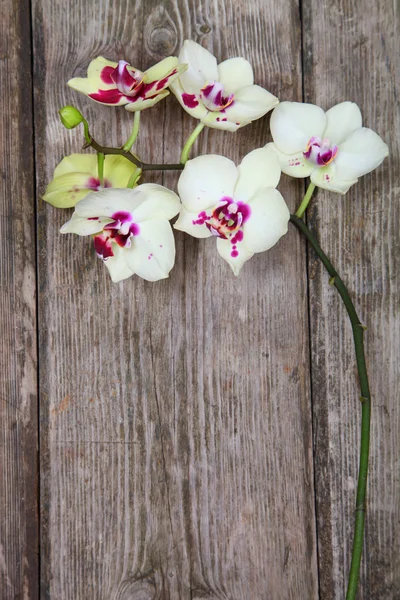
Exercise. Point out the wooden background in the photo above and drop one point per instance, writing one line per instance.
(196, 437)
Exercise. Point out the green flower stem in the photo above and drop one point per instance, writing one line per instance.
(132, 158)
(100, 167)
(87, 135)
(135, 131)
(306, 200)
(190, 141)
(358, 336)
(133, 178)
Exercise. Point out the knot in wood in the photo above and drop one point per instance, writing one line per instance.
(160, 34)
(139, 589)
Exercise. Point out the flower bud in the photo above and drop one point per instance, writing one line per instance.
(70, 117)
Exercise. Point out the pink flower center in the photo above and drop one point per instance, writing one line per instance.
(320, 152)
(127, 83)
(94, 184)
(126, 79)
(214, 98)
(226, 221)
(120, 230)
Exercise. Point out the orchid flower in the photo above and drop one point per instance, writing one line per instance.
(333, 147)
(130, 228)
(238, 205)
(220, 96)
(119, 84)
(76, 176)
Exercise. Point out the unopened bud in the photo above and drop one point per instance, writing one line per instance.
(70, 117)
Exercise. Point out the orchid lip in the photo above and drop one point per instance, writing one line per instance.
(213, 98)
(226, 218)
(120, 230)
(126, 79)
(320, 151)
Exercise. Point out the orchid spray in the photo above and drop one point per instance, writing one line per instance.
(239, 205)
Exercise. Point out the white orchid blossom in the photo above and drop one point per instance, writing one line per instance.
(131, 230)
(220, 96)
(332, 148)
(238, 205)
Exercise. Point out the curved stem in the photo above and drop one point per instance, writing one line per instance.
(135, 131)
(133, 178)
(133, 159)
(358, 336)
(87, 135)
(190, 141)
(306, 200)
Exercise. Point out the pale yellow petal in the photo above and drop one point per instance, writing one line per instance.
(142, 104)
(118, 170)
(161, 69)
(77, 163)
(68, 189)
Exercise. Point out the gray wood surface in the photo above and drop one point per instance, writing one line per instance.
(188, 448)
(176, 439)
(351, 52)
(18, 339)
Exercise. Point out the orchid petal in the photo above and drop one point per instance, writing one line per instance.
(187, 222)
(141, 104)
(77, 163)
(341, 121)
(161, 69)
(190, 102)
(294, 165)
(327, 179)
(259, 169)
(235, 259)
(202, 67)
(250, 103)
(152, 253)
(165, 78)
(217, 120)
(169, 77)
(360, 154)
(76, 176)
(117, 170)
(293, 124)
(84, 226)
(69, 189)
(205, 180)
(98, 77)
(235, 74)
(98, 72)
(98, 84)
(110, 96)
(268, 221)
(117, 265)
(158, 203)
(109, 201)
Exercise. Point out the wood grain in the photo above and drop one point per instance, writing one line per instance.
(176, 432)
(350, 53)
(18, 387)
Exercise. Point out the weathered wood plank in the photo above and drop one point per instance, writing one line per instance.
(18, 387)
(351, 52)
(176, 428)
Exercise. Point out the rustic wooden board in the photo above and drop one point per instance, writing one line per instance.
(351, 53)
(176, 432)
(18, 381)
